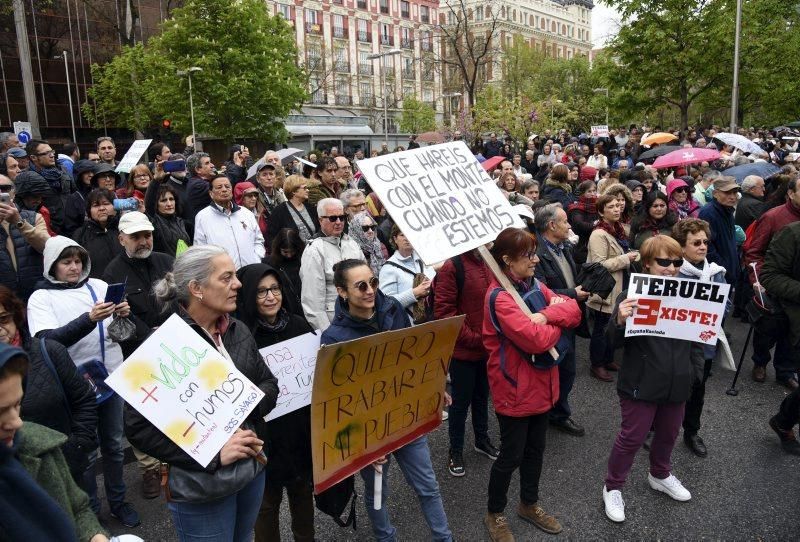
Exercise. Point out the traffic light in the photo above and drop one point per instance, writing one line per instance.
(166, 124)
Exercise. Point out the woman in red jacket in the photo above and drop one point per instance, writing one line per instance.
(522, 394)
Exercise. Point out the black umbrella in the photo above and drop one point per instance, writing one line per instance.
(661, 150)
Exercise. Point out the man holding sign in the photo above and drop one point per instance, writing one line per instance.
(657, 373)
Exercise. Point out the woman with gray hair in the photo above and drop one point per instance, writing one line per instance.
(202, 288)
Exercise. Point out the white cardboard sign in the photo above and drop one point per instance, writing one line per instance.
(292, 362)
(441, 198)
(677, 308)
(134, 154)
(600, 131)
(186, 388)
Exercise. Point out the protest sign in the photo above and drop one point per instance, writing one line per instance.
(376, 394)
(600, 131)
(133, 155)
(441, 198)
(292, 362)
(677, 308)
(186, 388)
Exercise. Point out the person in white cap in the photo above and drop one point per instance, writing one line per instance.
(139, 268)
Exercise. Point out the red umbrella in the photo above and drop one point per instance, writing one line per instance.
(685, 157)
(491, 163)
(430, 137)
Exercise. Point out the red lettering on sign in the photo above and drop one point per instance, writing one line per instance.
(647, 312)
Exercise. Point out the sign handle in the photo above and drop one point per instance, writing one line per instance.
(506, 283)
(377, 487)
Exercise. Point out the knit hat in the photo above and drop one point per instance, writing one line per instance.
(29, 182)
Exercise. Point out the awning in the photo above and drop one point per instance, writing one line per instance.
(298, 130)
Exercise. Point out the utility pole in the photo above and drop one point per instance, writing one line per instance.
(735, 90)
(25, 65)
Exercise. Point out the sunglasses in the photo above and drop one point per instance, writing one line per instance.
(362, 285)
(681, 189)
(6, 187)
(371, 227)
(336, 218)
(665, 262)
(700, 242)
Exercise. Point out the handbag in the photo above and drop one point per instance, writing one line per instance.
(197, 486)
(334, 500)
(421, 311)
(94, 371)
(596, 279)
(121, 329)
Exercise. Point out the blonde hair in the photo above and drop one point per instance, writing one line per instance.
(657, 244)
(293, 183)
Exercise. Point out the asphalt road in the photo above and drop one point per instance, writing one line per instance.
(746, 489)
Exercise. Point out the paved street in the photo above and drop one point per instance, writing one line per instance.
(745, 489)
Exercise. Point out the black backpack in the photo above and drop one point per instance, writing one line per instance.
(334, 500)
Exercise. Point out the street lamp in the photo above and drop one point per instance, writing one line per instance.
(606, 91)
(69, 94)
(552, 112)
(188, 73)
(449, 97)
(735, 90)
(390, 52)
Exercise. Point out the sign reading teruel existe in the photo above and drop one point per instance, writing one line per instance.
(441, 198)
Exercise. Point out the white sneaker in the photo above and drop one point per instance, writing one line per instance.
(445, 415)
(671, 486)
(615, 506)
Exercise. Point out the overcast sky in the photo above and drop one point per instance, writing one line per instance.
(605, 22)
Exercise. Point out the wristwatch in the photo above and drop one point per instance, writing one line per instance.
(20, 224)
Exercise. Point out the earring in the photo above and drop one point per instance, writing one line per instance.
(200, 297)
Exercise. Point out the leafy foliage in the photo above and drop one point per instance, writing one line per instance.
(417, 117)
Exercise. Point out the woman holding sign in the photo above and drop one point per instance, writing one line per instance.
(523, 390)
(267, 311)
(220, 502)
(655, 381)
(362, 310)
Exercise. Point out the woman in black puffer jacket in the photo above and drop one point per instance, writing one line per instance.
(99, 234)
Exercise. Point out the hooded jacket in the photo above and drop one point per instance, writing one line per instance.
(318, 294)
(722, 245)
(101, 243)
(344, 327)
(61, 187)
(237, 232)
(21, 270)
(60, 311)
(75, 204)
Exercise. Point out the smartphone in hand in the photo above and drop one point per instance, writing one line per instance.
(115, 293)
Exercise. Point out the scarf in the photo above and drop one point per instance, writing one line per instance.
(616, 231)
(653, 225)
(586, 204)
(372, 249)
(53, 177)
(280, 324)
(683, 210)
(709, 270)
(563, 186)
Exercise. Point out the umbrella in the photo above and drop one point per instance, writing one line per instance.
(740, 142)
(430, 137)
(795, 124)
(685, 157)
(492, 162)
(765, 170)
(661, 150)
(658, 137)
(287, 155)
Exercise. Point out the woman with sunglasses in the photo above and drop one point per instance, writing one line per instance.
(693, 235)
(363, 229)
(655, 381)
(362, 310)
(266, 306)
(680, 200)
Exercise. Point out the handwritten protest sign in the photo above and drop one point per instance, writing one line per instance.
(599, 131)
(441, 198)
(677, 308)
(134, 154)
(292, 362)
(374, 395)
(186, 388)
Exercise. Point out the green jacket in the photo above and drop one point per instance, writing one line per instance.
(780, 275)
(39, 452)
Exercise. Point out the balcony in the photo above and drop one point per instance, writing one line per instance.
(384, 6)
(387, 40)
(404, 13)
(366, 101)
(427, 74)
(313, 28)
(427, 46)
(344, 100)
(365, 69)
(425, 18)
(339, 32)
(339, 2)
(362, 4)
(364, 36)
(406, 43)
(319, 98)
(341, 66)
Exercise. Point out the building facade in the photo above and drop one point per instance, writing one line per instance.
(337, 41)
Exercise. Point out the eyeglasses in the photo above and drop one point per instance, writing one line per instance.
(335, 218)
(371, 227)
(681, 189)
(358, 206)
(665, 262)
(261, 293)
(6, 318)
(51, 152)
(362, 285)
(6, 187)
(700, 242)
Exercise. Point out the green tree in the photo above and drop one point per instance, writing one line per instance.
(417, 117)
(250, 79)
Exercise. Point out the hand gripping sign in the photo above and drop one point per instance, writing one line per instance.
(677, 308)
(187, 389)
(441, 198)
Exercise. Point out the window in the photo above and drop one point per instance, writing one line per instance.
(408, 67)
(479, 14)
(408, 92)
(386, 34)
(362, 4)
(340, 60)
(406, 38)
(285, 11)
(384, 4)
(339, 26)
(365, 91)
(427, 96)
(364, 64)
(342, 91)
(405, 9)
(425, 38)
(424, 14)
(363, 30)
(313, 21)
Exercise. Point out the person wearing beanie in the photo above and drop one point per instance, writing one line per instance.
(31, 192)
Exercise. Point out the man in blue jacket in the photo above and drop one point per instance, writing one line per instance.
(719, 214)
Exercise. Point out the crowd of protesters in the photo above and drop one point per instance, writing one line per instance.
(264, 250)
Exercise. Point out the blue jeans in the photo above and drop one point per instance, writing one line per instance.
(225, 520)
(110, 433)
(415, 461)
(470, 387)
(601, 351)
(566, 379)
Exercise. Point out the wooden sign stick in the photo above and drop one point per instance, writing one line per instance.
(506, 283)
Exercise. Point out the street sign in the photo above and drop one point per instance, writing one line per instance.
(23, 131)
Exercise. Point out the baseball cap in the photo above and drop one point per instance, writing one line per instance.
(17, 152)
(264, 166)
(134, 222)
(726, 184)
